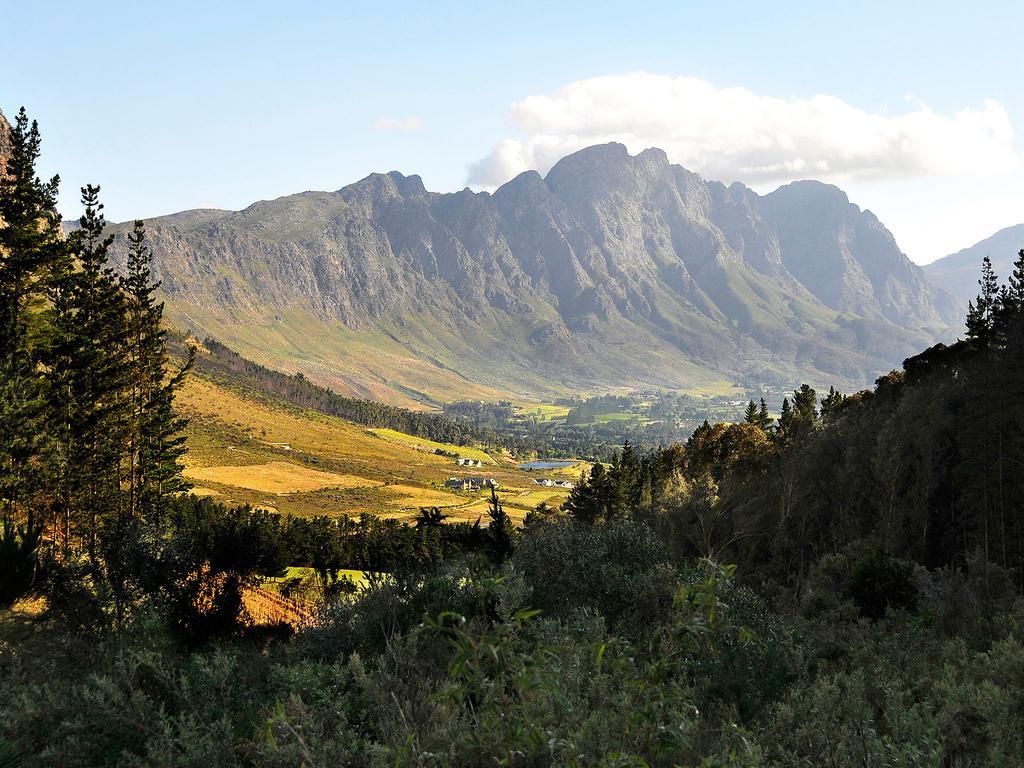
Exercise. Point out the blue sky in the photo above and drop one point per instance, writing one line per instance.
(178, 105)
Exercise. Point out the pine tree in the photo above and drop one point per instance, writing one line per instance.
(981, 313)
(499, 530)
(155, 441)
(32, 251)
(750, 416)
(785, 417)
(830, 404)
(625, 487)
(805, 401)
(764, 419)
(90, 380)
(1015, 284)
(1011, 302)
(584, 504)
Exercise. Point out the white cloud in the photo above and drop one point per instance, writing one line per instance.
(734, 134)
(402, 124)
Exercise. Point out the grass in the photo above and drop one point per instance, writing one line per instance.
(276, 477)
(421, 443)
(366, 363)
(543, 411)
(415, 496)
(247, 448)
(530, 499)
(359, 578)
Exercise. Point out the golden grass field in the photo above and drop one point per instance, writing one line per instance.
(245, 448)
(420, 443)
(276, 477)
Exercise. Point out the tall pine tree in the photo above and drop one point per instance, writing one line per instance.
(32, 251)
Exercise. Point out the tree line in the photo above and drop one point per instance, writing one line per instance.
(300, 391)
(926, 466)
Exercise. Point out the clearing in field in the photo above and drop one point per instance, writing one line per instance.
(411, 441)
(277, 477)
(530, 499)
(414, 496)
(198, 490)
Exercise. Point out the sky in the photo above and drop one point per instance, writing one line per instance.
(915, 109)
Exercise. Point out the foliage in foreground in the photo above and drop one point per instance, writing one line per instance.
(455, 668)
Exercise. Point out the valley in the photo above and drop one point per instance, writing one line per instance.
(613, 427)
(246, 448)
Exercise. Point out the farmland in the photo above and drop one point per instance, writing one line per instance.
(248, 448)
(422, 444)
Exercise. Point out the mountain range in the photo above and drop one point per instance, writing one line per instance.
(612, 271)
(958, 273)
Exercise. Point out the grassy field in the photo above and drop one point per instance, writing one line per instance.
(422, 444)
(249, 449)
(276, 477)
(543, 411)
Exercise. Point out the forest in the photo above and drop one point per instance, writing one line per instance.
(837, 586)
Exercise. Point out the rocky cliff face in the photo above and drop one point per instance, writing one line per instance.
(611, 271)
(5, 142)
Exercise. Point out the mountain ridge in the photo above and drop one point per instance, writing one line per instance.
(610, 271)
(958, 273)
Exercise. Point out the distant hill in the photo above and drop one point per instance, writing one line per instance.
(958, 273)
(613, 271)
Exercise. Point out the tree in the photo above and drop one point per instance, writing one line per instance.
(981, 313)
(32, 252)
(785, 418)
(830, 405)
(624, 485)
(584, 504)
(751, 415)
(90, 379)
(764, 419)
(1011, 302)
(156, 442)
(805, 401)
(499, 530)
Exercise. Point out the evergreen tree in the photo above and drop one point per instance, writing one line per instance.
(764, 419)
(585, 504)
(1011, 302)
(499, 530)
(32, 251)
(90, 380)
(830, 403)
(805, 402)
(785, 417)
(625, 486)
(751, 416)
(155, 442)
(981, 313)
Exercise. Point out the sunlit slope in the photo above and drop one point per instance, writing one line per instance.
(249, 449)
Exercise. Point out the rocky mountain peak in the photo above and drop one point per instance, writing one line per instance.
(613, 270)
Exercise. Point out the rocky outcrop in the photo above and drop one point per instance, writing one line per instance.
(5, 142)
